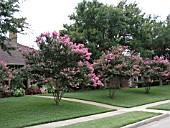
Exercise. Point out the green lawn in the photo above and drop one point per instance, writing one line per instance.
(162, 107)
(124, 97)
(114, 121)
(29, 110)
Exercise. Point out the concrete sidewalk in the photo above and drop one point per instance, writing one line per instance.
(88, 102)
(78, 120)
(120, 110)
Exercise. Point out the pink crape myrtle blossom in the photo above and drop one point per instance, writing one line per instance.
(150, 70)
(5, 73)
(114, 64)
(61, 61)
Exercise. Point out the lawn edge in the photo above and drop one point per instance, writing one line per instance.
(46, 122)
(119, 105)
(158, 109)
(112, 104)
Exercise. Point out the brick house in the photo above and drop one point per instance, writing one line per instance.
(15, 59)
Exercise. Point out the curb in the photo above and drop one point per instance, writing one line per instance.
(147, 121)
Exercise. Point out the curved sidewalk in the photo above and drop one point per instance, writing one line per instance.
(87, 102)
(120, 110)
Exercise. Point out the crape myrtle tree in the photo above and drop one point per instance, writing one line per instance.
(14, 76)
(161, 67)
(9, 22)
(115, 64)
(5, 73)
(61, 63)
(19, 75)
(152, 69)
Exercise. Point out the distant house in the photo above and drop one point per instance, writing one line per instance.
(14, 59)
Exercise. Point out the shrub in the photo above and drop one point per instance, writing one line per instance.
(32, 91)
(19, 92)
(2, 94)
(5, 92)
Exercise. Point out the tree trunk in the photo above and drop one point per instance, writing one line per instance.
(112, 92)
(160, 82)
(58, 92)
(112, 86)
(147, 87)
(105, 84)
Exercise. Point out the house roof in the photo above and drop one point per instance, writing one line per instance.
(15, 57)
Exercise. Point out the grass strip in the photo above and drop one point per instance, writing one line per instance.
(162, 107)
(115, 121)
(128, 97)
(29, 110)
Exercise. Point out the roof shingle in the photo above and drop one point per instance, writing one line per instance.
(15, 57)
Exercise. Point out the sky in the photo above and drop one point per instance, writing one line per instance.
(50, 15)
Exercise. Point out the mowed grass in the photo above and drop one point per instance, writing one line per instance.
(114, 121)
(162, 107)
(128, 97)
(29, 110)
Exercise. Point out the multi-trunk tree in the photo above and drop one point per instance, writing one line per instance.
(61, 63)
(117, 64)
(114, 66)
(151, 70)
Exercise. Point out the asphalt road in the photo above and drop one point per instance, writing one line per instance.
(163, 123)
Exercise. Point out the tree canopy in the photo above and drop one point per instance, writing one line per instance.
(62, 63)
(100, 26)
(8, 20)
(162, 42)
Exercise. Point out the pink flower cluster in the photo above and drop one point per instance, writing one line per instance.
(160, 60)
(153, 69)
(75, 54)
(3, 64)
(95, 80)
(114, 63)
(5, 72)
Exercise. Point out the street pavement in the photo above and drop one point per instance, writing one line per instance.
(162, 123)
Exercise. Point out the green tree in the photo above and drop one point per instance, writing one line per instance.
(162, 42)
(101, 27)
(88, 28)
(8, 21)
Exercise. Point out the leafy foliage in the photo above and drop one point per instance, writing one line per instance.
(8, 21)
(61, 63)
(101, 27)
(151, 70)
(162, 42)
(17, 82)
(115, 64)
(5, 73)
